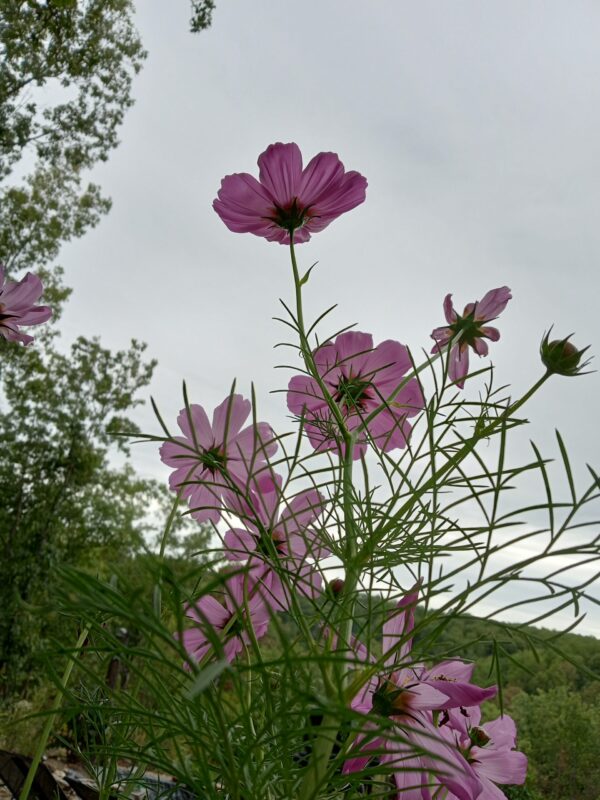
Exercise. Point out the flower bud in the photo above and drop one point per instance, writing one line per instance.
(561, 357)
(335, 587)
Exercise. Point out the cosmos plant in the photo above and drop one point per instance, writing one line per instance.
(304, 657)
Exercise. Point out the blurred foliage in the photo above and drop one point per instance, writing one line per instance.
(201, 15)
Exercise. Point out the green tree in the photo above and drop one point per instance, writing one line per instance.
(66, 71)
(61, 498)
(560, 732)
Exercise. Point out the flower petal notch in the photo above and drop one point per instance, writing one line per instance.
(17, 306)
(469, 330)
(288, 201)
(362, 379)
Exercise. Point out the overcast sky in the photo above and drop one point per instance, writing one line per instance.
(478, 128)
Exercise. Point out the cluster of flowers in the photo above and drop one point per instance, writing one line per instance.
(424, 723)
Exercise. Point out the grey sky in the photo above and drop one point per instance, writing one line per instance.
(477, 125)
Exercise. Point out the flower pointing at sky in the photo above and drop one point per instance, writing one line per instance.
(278, 534)
(407, 695)
(226, 623)
(360, 379)
(472, 328)
(288, 198)
(208, 459)
(17, 306)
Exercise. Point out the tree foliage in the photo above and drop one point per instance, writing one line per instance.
(61, 498)
(66, 71)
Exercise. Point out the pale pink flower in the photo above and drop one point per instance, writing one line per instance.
(225, 623)
(208, 459)
(287, 198)
(17, 306)
(490, 749)
(360, 379)
(278, 534)
(473, 329)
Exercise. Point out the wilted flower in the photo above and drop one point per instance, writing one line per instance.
(17, 306)
(561, 357)
(208, 459)
(360, 379)
(472, 329)
(287, 198)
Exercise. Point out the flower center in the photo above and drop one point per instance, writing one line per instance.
(271, 543)
(390, 700)
(469, 327)
(352, 393)
(214, 460)
(291, 217)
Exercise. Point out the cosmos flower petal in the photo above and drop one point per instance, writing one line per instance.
(322, 174)
(203, 434)
(458, 365)
(280, 172)
(492, 303)
(500, 766)
(449, 311)
(229, 416)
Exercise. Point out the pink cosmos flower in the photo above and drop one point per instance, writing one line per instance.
(287, 198)
(208, 459)
(490, 751)
(17, 306)
(473, 329)
(360, 379)
(278, 534)
(406, 695)
(227, 622)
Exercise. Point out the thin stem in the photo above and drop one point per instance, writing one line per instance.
(325, 739)
(39, 753)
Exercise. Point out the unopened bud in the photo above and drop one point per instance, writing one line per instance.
(335, 587)
(561, 357)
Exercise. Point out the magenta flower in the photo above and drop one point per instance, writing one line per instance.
(208, 459)
(407, 695)
(360, 379)
(473, 329)
(278, 535)
(287, 199)
(227, 622)
(17, 306)
(490, 751)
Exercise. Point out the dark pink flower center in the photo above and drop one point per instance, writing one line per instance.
(292, 216)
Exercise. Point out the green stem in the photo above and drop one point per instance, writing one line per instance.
(329, 727)
(467, 448)
(39, 753)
